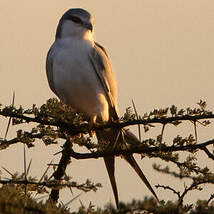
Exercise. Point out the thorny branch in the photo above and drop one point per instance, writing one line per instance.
(194, 186)
(60, 172)
(56, 121)
(84, 128)
(169, 188)
(139, 150)
(53, 184)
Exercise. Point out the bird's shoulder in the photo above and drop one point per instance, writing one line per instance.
(102, 67)
(100, 48)
(100, 56)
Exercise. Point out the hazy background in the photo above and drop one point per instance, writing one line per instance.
(162, 53)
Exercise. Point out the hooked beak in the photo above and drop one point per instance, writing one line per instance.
(89, 26)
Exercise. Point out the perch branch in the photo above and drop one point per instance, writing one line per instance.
(73, 130)
(138, 150)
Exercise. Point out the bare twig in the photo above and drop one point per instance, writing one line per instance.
(194, 185)
(169, 188)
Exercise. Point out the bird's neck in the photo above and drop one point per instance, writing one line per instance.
(87, 36)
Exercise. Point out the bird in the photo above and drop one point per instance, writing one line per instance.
(80, 74)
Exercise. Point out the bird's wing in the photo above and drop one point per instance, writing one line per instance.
(101, 65)
(49, 70)
(103, 70)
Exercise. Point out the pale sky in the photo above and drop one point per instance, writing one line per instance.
(162, 53)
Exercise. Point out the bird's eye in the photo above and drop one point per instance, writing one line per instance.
(75, 19)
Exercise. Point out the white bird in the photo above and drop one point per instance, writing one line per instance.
(80, 74)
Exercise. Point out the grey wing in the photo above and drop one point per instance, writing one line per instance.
(103, 70)
(49, 70)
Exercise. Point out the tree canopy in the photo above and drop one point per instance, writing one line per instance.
(54, 122)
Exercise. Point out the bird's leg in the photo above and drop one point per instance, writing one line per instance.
(112, 137)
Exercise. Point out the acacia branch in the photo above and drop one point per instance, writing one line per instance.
(169, 188)
(139, 150)
(73, 129)
(85, 187)
(194, 186)
(5, 143)
(59, 173)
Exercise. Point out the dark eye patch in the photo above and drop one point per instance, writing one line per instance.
(75, 19)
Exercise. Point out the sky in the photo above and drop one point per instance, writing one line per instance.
(161, 51)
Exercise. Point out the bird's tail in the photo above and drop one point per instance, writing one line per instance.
(130, 159)
(109, 162)
(121, 137)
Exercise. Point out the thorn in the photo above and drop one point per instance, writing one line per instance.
(45, 172)
(139, 129)
(12, 175)
(25, 170)
(9, 121)
(72, 200)
(58, 153)
(29, 165)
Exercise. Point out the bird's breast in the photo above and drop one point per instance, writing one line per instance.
(76, 81)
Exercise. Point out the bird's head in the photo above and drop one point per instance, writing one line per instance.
(75, 22)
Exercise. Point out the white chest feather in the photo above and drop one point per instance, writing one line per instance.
(76, 81)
